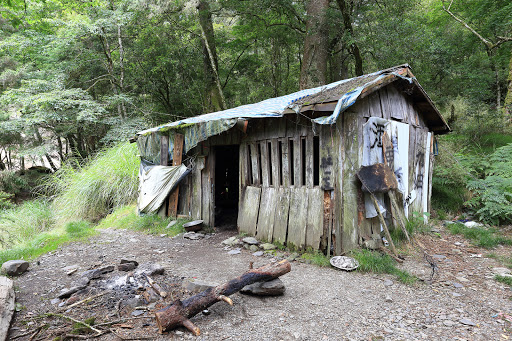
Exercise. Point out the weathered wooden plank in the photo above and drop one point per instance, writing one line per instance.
(327, 145)
(385, 103)
(243, 163)
(292, 126)
(413, 114)
(265, 226)
(7, 298)
(206, 191)
(375, 109)
(297, 164)
(248, 210)
(310, 176)
(281, 127)
(285, 162)
(325, 243)
(197, 204)
(176, 161)
(352, 139)
(164, 150)
(362, 107)
(264, 157)
(396, 103)
(297, 217)
(430, 172)
(255, 164)
(274, 162)
(412, 168)
(314, 223)
(281, 215)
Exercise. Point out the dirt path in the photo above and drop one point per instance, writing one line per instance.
(319, 303)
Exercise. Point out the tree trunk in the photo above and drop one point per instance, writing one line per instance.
(178, 313)
(508, 97)
(214, 97)
(313, 70)
(354, 48)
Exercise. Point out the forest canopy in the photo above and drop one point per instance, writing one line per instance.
(76, 76)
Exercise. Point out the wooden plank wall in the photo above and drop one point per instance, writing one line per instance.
(280, 156)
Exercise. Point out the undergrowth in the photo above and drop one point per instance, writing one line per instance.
(375, 262)
(507, 261)
(316, 258)
(504, 279)
(484, 237)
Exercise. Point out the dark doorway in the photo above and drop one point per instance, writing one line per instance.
(226, 186)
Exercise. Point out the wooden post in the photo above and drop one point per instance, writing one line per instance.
(383, 222)
(176, 161)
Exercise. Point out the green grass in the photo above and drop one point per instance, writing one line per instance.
(92, 191)
(316, 258)
(375, 262)
(23, 222)
(504, 279)
(125, 217)
(484, 237)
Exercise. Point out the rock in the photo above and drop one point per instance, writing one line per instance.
(457, 285)
(171, 224)
(388, 282)
(448, 323)
(462, 279)
(458, 244)
(137, 312)
(456, 251)
(254, 248)
(231, 241)
(472, 224)
(126, 261)
(234, 252)
(268, 246)
(501, 271)
(271, 288)
(439, 257)
(150, 269)
(467, 322)
(194, 285)
(65, 293)
(70, 268)
(126, 267)
(258, 254)
(82, 282)
(388, 299)
(292, 257)
(251, 240)
(14, 267)
(456, 294)
(193, 236)
(163, 235)
(96, 273)
(55, 301)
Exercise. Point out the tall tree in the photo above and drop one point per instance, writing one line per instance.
(313, 71)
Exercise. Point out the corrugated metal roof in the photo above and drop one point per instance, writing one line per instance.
(344, 92)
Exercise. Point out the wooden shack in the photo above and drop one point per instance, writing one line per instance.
(284, 170)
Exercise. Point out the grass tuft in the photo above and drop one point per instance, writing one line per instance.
(316, 258)
(91, 192)
(375, 262)
(504, 279)
(484, 237)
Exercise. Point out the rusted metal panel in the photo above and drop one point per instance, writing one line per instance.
(377, 178)
(248, 210)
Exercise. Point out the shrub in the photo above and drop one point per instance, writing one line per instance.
(90, 192)
(484, 237)
(492, 196)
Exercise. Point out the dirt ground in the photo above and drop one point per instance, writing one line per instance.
(462, 303)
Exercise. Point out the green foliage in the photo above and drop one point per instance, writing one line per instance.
(507, 261)
(92, 191)
(5, 200)
(484, 237)
(11, 182)
(492, 199)
(125, 217)
(375, 262)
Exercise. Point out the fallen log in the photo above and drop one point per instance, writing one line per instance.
(178, 313)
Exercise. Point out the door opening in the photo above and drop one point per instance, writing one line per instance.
(226, 186)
